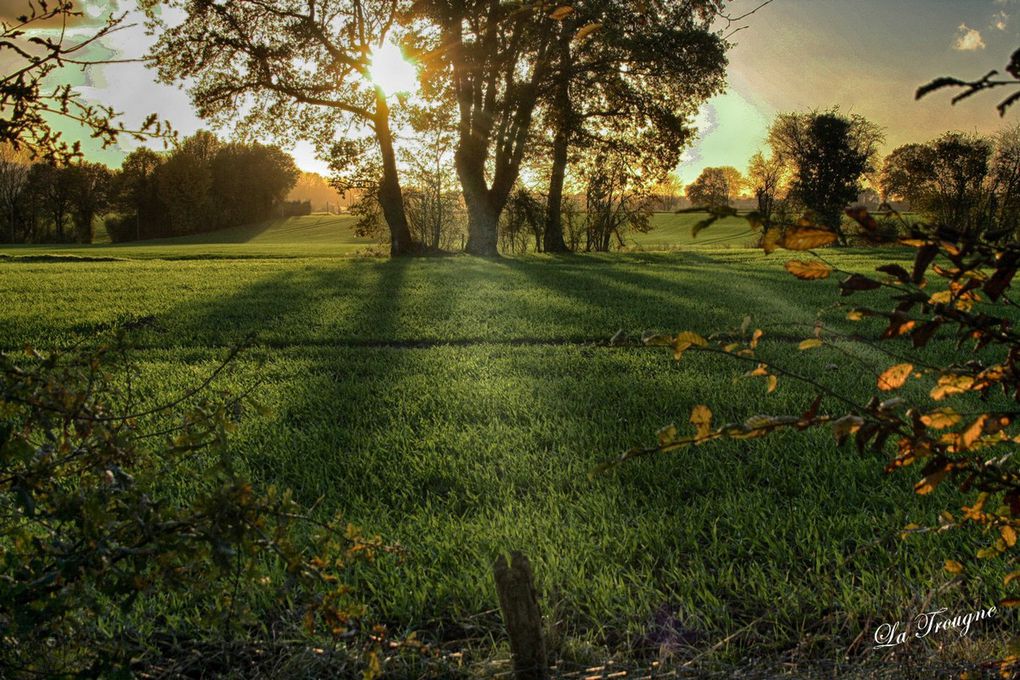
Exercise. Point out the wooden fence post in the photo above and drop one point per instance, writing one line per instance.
(519, 603)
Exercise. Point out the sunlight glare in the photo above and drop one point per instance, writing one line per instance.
(391, 72)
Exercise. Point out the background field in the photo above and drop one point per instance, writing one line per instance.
(323, 235)
(455, 406)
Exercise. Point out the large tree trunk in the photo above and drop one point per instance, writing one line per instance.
(553, 237)
(483, 216)
(391, 199)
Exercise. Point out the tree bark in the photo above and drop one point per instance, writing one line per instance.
(483, 216)
(391, 200)
(552, 239)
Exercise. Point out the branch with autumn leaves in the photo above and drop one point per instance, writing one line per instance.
(958, 284)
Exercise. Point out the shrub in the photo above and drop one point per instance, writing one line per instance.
(104, 569)
(957, 286)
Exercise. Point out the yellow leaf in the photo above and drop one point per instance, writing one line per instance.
(894, 377)
(1008, 534)
(685, 340)
(940, 419)
(806, 238)
(1010, 578)
(756, 337)
(587, 30)
(954, 567)
(810, 343)
(561, 13)
(773, 382)
(950, 383)
(667, 435)
(808, 271)
(855, 315)
(701, 419)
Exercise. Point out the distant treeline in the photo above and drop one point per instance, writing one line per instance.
(202, 185)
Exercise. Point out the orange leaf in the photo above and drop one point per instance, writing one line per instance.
(940, 419)
(954, 567)
(587, 30)
(894, 377)
(1008, 534)
(701, 419)
(773, 383)
(808, 271)
(561, 13)
(806, 238)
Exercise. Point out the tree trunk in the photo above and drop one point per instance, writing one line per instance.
(483, 216)
(391, 199)
(553, 237)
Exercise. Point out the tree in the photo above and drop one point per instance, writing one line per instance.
(136, 196)
(710, 190)
(185, 184)
(30, 57)
(90, 187)
(287, 68)
(495, 58)
(828, 154)
(767, 178)
(14, 168)
(617, 198)
(627, 78)
(249, 181)
(945, 179)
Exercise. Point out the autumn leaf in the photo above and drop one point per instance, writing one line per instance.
(773, 382)
(1008, 534)
(667, 435)
(894, 377)
(808, 271)
(561, 13)
(701, 419)
(806, 238)
(953, 567)
(856, 282)
(587, 30)
(949, 384)
(684, 341)
(940, 419)
(810, 343)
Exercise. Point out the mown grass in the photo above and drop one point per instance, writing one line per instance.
(456, 406)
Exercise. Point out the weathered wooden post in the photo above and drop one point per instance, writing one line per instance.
(518, 601)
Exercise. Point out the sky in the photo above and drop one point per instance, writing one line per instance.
(865, 56)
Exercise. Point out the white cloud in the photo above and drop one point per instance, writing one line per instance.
(968, 39)
(1000, 20)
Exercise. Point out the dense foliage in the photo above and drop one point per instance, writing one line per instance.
(965, 431)
(104, 568)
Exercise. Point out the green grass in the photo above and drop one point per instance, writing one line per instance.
(322, 235)
(318, 235)
(455, 406)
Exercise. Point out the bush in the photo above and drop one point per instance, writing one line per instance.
(971, 445)
(103, 569)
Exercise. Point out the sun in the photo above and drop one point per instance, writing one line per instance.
(391, 72)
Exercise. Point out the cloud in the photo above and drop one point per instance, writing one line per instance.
(1000, 20)
(968, 39)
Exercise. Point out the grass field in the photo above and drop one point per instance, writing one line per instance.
(455, 406)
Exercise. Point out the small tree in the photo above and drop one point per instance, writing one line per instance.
(767, 179)
(828, 154)
(710, 190)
